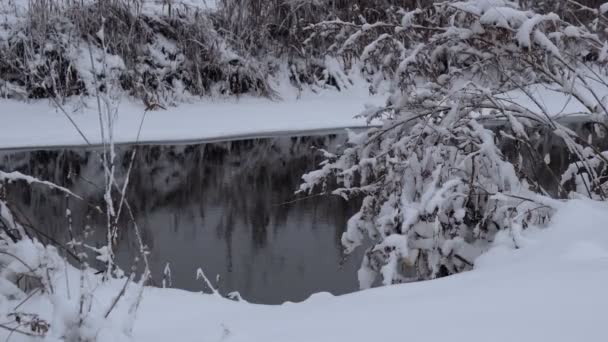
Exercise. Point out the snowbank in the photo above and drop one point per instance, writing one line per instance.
(551, 99)
(551, 289)
(39, 123)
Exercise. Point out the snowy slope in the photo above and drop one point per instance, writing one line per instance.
(549, 99)
(552, 289)
(40, 124)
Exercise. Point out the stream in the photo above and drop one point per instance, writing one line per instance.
(226, 207)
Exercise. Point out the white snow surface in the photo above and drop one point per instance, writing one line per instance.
(553, 288)
(40, 123)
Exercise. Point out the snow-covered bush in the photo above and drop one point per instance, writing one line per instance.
(159, 56)
(284, 29)
(435, 186)
(43, 296)
(590, 13)
(170, 52)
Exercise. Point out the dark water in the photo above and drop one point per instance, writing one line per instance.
(224, 207)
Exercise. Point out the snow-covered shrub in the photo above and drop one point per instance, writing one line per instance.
(293, 31)
(159, 56)
(165, 54)
(65, 302)
(374, 47)
(436, 187)
(590, 13)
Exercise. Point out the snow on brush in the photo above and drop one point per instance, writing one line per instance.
(40, 123)
(553, 288)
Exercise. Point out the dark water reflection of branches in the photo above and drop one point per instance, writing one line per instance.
(226, 207)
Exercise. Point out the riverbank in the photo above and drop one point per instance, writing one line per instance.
(42, 124)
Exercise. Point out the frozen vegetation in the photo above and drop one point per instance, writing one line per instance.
(474, 246)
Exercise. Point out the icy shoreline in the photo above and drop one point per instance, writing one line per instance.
(40, 124)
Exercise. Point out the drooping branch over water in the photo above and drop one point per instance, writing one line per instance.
(435, 184)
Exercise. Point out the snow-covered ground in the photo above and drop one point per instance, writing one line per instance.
(39, 123)
(553, 288)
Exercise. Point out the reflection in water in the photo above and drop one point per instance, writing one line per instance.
(226, 207)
